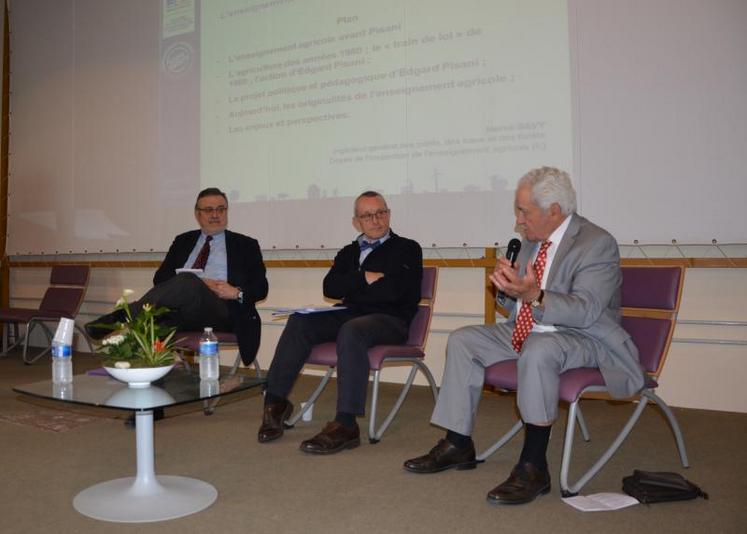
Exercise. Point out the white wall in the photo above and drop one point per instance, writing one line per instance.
(706, 376)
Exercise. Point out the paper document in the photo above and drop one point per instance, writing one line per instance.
(198, 272)
(601, 502)
(305, 310)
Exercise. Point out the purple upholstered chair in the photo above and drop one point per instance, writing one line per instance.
(650, 300)
(62, 298)
(411, 352)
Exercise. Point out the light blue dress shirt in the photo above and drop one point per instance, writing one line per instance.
(217, 263)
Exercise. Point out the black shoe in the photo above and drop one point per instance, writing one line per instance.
(525, 484)
(157, 416)
(105, 325)
(274, 417)
(444, 455)
(333, 438)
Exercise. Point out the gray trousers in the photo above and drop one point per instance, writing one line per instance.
(544, 356)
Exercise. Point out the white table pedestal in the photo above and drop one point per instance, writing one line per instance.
(145, 497)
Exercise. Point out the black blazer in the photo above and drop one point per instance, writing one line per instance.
(245, 270)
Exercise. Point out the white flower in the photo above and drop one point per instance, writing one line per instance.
(114, 340)
(122, 365)
(127, 292)
(120, 301)
(147, 307)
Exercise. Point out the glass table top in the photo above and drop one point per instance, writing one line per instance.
(178, 387)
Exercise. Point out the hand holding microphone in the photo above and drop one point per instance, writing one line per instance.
(512, 252)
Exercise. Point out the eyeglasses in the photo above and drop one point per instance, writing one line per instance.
(220, 210)
(368, 217)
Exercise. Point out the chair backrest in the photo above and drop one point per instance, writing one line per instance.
(651, 300)
(67, 289)
(421, 323)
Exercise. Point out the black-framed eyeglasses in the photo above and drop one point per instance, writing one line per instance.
(368, 217)
(220, 210)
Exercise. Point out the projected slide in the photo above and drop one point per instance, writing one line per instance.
(321, 98)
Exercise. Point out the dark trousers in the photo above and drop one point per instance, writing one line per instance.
(193, 305)
(354, 334)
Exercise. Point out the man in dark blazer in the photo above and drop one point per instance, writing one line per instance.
(224, 294)
(377, 277)
(563, 295)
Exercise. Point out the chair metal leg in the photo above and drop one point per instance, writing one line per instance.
(674, 425)
(5, 327)
(582, 424)
(374, 435)
(501, 442)
(311, 400)
(9, 345)
(568, 490)
(429, 377)
(29, 328)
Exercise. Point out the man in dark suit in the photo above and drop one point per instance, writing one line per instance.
(378, 278)
(223, 296)
(564, 298)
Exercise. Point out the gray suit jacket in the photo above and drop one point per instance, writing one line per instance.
(582, 294)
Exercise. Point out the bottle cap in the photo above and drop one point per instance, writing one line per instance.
(64, 333)
(208, 329)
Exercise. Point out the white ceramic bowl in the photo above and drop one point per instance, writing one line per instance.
(139, 377)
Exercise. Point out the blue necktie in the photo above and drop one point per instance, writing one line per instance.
(365, 245)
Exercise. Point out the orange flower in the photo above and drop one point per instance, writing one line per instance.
(158, 346)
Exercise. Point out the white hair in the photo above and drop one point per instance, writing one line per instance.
(549, 186)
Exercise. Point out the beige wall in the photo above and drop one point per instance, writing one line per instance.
(703, 375)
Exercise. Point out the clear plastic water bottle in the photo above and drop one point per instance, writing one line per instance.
(209, 355)
(62, 363)
(209, 388)
(62, 391)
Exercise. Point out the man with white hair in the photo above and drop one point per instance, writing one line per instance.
(563, 294)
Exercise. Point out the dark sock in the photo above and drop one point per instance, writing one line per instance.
(460, 441)
(272, 399)
(345, 419)
(536, 439)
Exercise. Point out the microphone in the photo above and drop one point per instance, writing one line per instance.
(512, 251)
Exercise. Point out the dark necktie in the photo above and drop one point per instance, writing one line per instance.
(202, 257)
(525, 321)
(365, 245)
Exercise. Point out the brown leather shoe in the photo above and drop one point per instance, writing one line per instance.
(273, 421)
(444, 455)
(333, 438)
(525, 484)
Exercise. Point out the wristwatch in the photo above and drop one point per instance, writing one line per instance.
(536, 303)
(240, 296)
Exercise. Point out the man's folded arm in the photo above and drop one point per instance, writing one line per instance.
(343, 277)
(398, 283)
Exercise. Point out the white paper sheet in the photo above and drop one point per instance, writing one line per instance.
(601, 502)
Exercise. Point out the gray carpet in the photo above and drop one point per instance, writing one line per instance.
(276, 488)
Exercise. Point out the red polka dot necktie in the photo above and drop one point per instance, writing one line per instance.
(202, 256)
(525, 321)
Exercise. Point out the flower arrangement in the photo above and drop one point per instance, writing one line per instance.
(138, 341)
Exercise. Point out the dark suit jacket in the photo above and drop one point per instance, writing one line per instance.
(397, 293)
(245, 270)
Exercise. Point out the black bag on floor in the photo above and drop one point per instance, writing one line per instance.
(651, 486)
